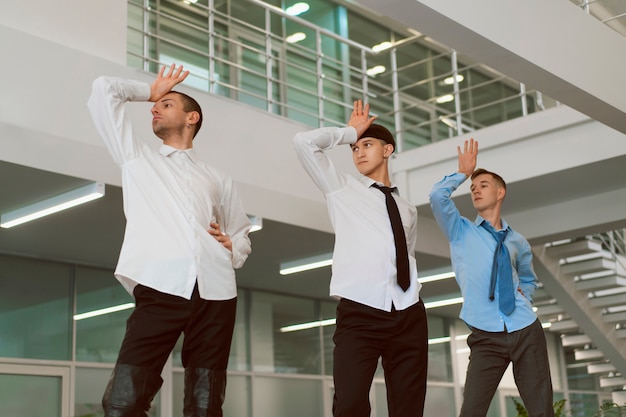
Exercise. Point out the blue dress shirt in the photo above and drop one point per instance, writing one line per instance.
(471, 249)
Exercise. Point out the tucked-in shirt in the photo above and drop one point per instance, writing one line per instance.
(471, 249)
(364, 257)
(170, 199)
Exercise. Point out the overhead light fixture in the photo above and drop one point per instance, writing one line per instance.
(306, 264)
(296, 37)
(374, 71)
(52, 205)
(103, 311)
(436, 277)
(257, 223)
(309, 325)
(297, 9)
(444, 99)
(382, 46)
(443, 303)
(450, 80)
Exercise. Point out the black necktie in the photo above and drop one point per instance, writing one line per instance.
(402, 256)
(501, 271)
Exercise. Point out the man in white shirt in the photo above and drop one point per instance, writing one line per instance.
(186, 232)
(376, 317)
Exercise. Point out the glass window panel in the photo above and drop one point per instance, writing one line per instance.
(288, 397)
(99, 338)
(38, 293)
(439, 355)
(328, 311)
(440, 401)
(30, 395)
(237, 401)
(283, 351)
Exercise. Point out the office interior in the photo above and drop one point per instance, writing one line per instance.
(538, 86)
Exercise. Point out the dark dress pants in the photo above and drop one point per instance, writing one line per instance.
(155, 325)
(363, 335)
(491, 354)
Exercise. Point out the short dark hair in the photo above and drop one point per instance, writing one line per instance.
(189, 105)
(481, 171)
(379, 132)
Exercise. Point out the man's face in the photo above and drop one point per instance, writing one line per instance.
(369, 155)
(486, 192)
(168, 116)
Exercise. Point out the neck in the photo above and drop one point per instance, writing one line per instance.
(493, 217)
(178, 142)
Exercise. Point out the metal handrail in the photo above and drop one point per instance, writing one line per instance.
(338, 80)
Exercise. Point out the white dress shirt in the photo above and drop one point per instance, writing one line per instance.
(364, 258)
(170, 199)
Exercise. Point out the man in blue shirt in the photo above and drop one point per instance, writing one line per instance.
(504, 326)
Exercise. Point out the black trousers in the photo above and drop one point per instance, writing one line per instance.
(155, 325)
(363, 335)
(491, 354)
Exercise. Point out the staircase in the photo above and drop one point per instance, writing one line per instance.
(583, 297)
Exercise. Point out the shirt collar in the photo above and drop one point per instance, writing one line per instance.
(368, 182)
(479, 220)
(167, 150)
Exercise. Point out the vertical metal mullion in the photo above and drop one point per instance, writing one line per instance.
(457, 95)
(146, 35)
(397, 114)
(211, 47)
(320, 77)
(522, 92)
(268, 59)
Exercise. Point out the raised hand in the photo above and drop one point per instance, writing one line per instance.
(467, 157)
(360, 118)
(164, 83)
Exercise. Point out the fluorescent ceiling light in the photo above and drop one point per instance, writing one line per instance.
(382, 46)
(297, 9)
(305, 264)
(310, 325)
(296, 37)
(445, 99)
(450, 80)
(103, 311)
(443, 303)
(378, 69)
(436, 277)
(52, 205)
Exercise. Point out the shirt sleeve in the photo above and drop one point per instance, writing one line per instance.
(447, 215)
(106, 105)
(310, 147)
(525, 272)
(235, 223)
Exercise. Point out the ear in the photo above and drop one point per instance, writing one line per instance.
(501, 193)
(388, 150)
(193, 117)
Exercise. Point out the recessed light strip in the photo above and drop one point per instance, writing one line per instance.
(103, 311)
(52, 205)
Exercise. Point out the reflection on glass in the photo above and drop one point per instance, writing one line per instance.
(288, 397)
(98, 338)
(29, 395)
(38, 293)
(283, 352)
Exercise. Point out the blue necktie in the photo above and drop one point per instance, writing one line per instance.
(501, 271)
(402, 255)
